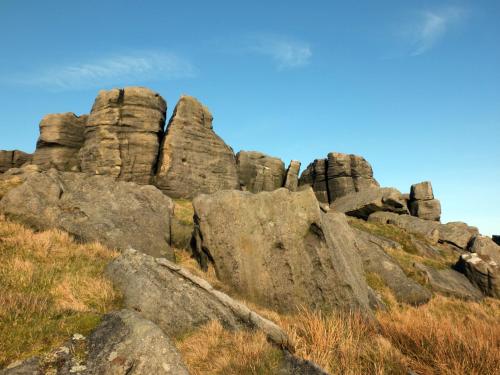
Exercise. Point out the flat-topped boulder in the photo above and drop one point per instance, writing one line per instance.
(365, 202)
(122, 134)
(422, 203)
(193, 158)
(279, 250)
(94, 208)
(13, 159)
(338, 175)
(292, 175)
(61, 137)
(259, 172)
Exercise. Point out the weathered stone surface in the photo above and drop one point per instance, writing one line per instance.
(427, 210)
(292, 176)
(278, 249)
(450, 283)
(421, 191)
(193, 158)
(422, 203)
(365, 202)
(122, 134)
(94, 208)
(178, 301)
(13, 159)
(315, 176)
(485, 248)
(30, 366)
(496, 239)
(259, 172)
(483, 273)
(376, 261)
(455, 233)
(61, 137)
(338, 175)
(127, 344)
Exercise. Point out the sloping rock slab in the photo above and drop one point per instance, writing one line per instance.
(178, 301)
(94, 208)
(365, 202)
(375, 260)
(450, 283)
(278, 249)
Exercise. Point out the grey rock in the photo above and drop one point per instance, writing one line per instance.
(178, 301)
(259, 172)
(485, 248)
(13, 159)
(292, 175)
(496, 239)
(315, 176)
(94, 208)
(457, 233)
(122, 134)
(193, 158)
(180, 234)
(421, 191)
(61, 137)
(365, 202)
(376, 261)
(483, 273)
(279, 250)
(426, 209)
(30, 366)
(127, 344)
(450, 283)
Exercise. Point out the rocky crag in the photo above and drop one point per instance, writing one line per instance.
(278, 239)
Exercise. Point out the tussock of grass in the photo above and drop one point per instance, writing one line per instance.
(214, 350)
(50, 288)
(183, 211)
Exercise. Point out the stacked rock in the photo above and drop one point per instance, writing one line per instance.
(259, 172)
(292, 175)
(422, 203)
(13, 159)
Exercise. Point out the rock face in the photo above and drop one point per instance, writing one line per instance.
(376, 261)
(482, 265)
(127, 344)
(496, 239)
(97, 208)
(338, 175)
(13, 159)
(259, 172)
(178, 301)
(61, 136)
(422, 203)
(363, 203)
(278, 249)
(193, 158)
(292, 175)
(122, 134)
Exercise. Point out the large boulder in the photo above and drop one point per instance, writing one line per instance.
(338, 175)
(193, 159)
(292, 175)
(13, 159)
(94, 208)
(365, 202)
(422, 203)
(259, 172)
(178, 301)
(126, 344)
(496, 239)
(279, 250)
(122, 134)
(61, 136)
(376, 261)
(457, 233)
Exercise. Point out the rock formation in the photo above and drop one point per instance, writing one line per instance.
(496, 239)
(193, 159)
(61, 136)
(367, 201)
(338, 175)
(13, 159)
(422, 203)
(292, 175)
(279, 250)
(259, 172)
(122, 134)
(97, 208)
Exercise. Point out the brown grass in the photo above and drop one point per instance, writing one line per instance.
(50, 288)
(183, 211)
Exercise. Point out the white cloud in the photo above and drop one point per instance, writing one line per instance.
(110, 70)
(432, 26)
(286, 53)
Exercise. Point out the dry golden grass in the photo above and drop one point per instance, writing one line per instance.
(7, 184)
(50, 287)
(183, 211)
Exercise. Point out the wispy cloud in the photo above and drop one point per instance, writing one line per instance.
(431, 27)
(120, 69)
(287, 53)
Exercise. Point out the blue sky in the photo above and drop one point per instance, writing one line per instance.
(413, 86)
